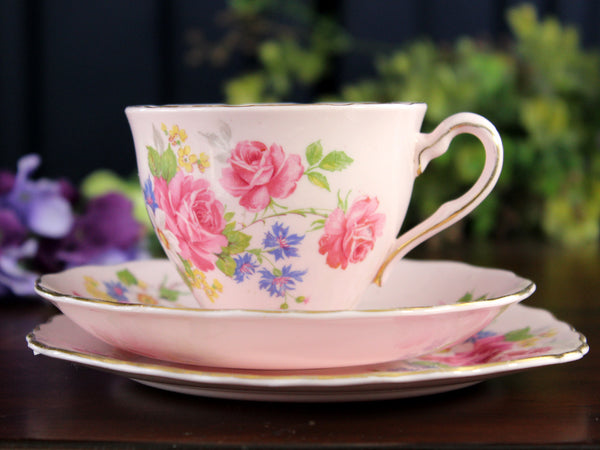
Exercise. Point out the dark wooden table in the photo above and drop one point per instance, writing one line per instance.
(51, 403)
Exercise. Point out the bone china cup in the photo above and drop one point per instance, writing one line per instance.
(290, 206)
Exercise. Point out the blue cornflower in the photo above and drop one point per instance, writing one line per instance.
(244, 267)
(280, 244)
(116, 290)
(279, 282)
(149, 197)
(481, 335)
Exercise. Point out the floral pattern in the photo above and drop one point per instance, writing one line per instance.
(258, 174)
(125, 287)
(488, 346)
(350, 236)
(194, 216)
(196, 228)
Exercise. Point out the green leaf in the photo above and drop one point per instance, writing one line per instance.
(187, 266)
(170, 295)
(343, 203)
(229, 228)
(153, 161)
(518, 335)
(168, 164)
(335, 160)
(314, 153)
(317, 225)
(127, 278)
(237, 241)
(226, 264)
(300, 299)
(318, 179)
(258, 253)
(187, 274)
(468, 298)
(228, 216)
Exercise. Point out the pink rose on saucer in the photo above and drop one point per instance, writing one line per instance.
(257, 174)
(194, 216)
(485, 349)
(350, 236)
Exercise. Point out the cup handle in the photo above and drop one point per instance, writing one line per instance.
(432, 145)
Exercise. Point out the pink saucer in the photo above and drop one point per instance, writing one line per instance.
(519, 339)
(145, 308)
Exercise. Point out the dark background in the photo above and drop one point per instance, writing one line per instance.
(69, 68)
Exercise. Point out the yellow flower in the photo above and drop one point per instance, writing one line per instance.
(195, 278)
(146, 299)
(203, 162)
(174, 131)
(186, 159)
(91, 286)
(163, 127)
(177, 135)
(210, 293)
(183, 135)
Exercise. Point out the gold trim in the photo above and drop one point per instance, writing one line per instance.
(441, 225)
(286, 105)
(523, 293)
(580, 351)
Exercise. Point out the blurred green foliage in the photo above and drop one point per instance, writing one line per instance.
(289, 57)
(542, 92)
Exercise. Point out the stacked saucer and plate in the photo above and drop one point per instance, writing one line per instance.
(285, 278)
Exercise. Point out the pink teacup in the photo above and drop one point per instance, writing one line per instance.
(291, 206)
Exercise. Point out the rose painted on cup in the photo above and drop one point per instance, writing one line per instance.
(293, 206)
(349, 237)
(193, 216)
(257, 174)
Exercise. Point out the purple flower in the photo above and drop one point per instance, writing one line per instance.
(106, 232)
(39, 204)
(27, 207)
(279, 282)
(13, 276)
(244, 267)
(12, 231)
(280, 243)
(14, 249)
(149, 195)
(39, 233)
(7, 181)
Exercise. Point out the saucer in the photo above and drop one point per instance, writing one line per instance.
(519, 339)
(144, 307)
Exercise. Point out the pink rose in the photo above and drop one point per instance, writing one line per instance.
(480, 351)
(350, 236)
(194, 216)
(258, 173)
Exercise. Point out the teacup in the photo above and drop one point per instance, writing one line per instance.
(290, 206)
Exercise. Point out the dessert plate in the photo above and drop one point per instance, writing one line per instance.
(145, 308)
(519, 339)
